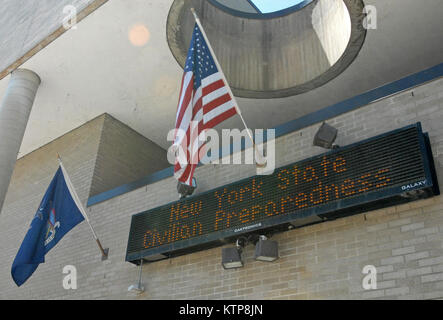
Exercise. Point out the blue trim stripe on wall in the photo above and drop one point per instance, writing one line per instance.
(297, 124)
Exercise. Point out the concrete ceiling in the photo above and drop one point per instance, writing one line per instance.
(29, 25)
(96, 68)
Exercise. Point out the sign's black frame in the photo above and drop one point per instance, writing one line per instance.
(339, 208)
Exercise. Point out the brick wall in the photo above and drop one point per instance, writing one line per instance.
(320, 261)
(124, 156)
(31, 177)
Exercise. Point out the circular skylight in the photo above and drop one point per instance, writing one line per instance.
(266, 58)
(260, 8)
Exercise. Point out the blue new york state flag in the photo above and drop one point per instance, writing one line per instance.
(58, 213)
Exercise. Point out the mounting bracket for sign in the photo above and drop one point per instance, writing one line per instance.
(389, 169)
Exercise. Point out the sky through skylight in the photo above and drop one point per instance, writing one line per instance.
(267, 6)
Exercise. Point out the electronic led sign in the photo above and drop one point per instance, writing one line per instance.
(389, 169)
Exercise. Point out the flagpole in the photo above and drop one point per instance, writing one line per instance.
(76, 199)
(261, 162)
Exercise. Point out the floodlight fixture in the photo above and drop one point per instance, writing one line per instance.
(232, 256)
(325, 137)
(266, 250)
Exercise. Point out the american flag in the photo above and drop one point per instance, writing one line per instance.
(205, 101)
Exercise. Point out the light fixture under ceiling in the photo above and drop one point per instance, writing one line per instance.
(325, 137)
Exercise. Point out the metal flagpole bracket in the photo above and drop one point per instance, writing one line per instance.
(105, 254)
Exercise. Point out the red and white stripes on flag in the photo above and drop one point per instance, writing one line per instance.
(205, 101)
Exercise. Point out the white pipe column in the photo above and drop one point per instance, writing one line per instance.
(14, 113)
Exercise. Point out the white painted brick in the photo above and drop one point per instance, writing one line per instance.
(418, 272)
(437, 268)
(384, 269)
(412, 226)
(392, 260)
(432, 277)
(399, 222)
(385, 284)
(430, 261)
(397, 291)
(371, 294)
(395, 275)
(402, 251)
(416, 256)
(377, 227)
(426, 231)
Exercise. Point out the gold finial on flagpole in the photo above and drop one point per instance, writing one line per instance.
(59, 158)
